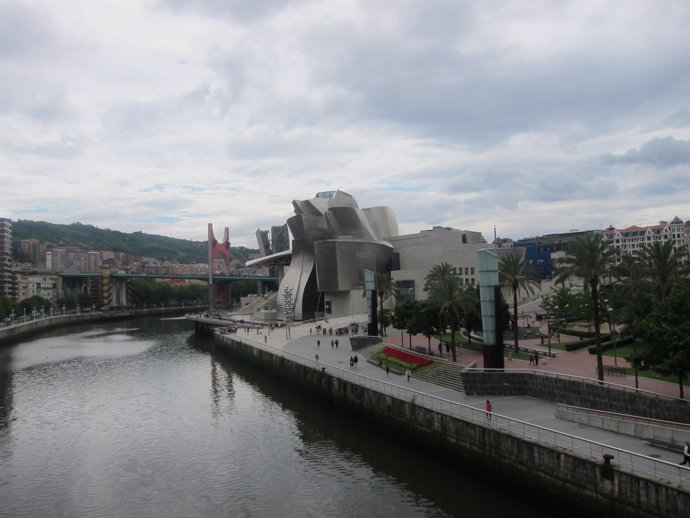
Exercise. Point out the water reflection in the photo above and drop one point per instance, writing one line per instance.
(374, 456)
(180, 428)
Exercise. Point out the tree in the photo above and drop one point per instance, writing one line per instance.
(402, 319)
(425, 320)
(451, 301)
(589, 258)
(665, 332)
(662, 263)
(385, 288)
(515, 273)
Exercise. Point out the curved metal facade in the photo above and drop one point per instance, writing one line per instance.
(333, 242)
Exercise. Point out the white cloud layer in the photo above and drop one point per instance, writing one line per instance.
(164, 115)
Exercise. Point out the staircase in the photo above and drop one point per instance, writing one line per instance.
(441, 373)
(259, 303)
(371, 350)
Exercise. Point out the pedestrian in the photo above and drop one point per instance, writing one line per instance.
(536, 359)
(317, 357)
(408, 374)
(352, 361)
(332, 343)
(318, 343)
(440, 349)
(310, 330)
(265, 338)
(387, 370)
(686, 454)
(356, 360)
(336, 343)
(531, 359)
(489, 408)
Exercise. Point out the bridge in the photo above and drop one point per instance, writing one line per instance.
(115, 287)
(128, 275)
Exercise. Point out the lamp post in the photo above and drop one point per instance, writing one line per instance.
(548, 322)
(609, 309)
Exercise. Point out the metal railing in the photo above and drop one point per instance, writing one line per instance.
(630, 462)
(590, 381)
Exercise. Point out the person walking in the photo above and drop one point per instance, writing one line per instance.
(489, 408)
(408, 373)
(686, 454)
(387, 370)
(356, 360)
(318, 343)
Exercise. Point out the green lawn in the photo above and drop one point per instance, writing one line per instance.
(627, 350)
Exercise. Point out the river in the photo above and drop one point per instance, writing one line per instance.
(142, 419)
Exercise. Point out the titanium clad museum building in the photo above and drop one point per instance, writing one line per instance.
(334, 241)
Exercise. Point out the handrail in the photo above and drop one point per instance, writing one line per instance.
(635, 463)
(591, 381)
(626, 417)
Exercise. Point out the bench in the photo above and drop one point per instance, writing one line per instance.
(616, 371)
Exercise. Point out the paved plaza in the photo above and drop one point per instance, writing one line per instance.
(539, 412)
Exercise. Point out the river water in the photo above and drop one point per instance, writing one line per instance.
(142, 419)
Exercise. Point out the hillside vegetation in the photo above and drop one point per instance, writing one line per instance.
(136, 243)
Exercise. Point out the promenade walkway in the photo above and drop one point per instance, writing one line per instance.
(526, 410)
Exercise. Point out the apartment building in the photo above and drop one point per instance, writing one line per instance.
(6, 284)
(633, 239)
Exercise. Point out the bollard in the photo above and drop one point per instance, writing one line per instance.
(607, 469)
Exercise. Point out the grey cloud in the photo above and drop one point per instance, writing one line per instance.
(480, 100)
(22, 29)
(241, 10)
(659, 152)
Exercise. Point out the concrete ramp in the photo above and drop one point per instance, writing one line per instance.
(660, 433)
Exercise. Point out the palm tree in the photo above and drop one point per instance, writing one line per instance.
(516, 273)
(451, 301)
(385, 288)
(438, 273)
(589, 258)
(663, 264)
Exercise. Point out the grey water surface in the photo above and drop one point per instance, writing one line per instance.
(142, 419)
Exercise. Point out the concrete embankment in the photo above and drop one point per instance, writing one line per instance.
(24, 330)
(559, 473)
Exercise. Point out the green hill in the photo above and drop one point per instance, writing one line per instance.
(136, 243)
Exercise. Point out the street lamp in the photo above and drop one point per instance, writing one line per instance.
(548, 322)
(613, 339)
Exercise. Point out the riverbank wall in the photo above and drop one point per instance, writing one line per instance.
(24, 330)
(560, 475)
(576, 392)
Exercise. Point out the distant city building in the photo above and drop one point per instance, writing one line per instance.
(33, 249)
(6, 284)
(541, 251)
(73, 260)
(633, 239)
(31, 283)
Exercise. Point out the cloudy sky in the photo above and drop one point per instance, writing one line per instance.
(164, 115)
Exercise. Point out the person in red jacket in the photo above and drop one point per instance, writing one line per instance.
(489, 408)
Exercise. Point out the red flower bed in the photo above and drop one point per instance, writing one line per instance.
(406, 357)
